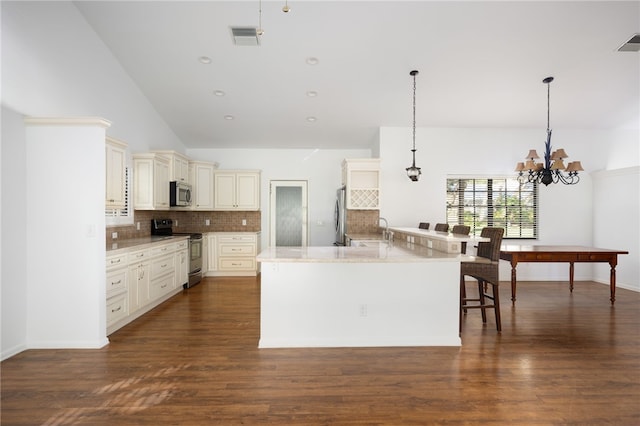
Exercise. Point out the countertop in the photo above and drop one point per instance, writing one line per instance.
(114, 247)
(364, 237)
(395, 252)
(440, 236)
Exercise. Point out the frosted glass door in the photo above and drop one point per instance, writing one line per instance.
(288, 213)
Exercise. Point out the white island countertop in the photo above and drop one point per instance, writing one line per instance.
(374, 253)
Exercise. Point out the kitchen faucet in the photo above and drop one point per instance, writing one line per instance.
(386, 235)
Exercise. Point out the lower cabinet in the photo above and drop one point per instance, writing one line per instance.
(140, 279)
(116, 288)
(233, 253)
(182, 263)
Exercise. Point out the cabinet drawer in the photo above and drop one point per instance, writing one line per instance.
(532, 257)
(160, 287)
(241, 264)
(161, 266)
(139, 256)
(116, 282)
(117, 261)
(250, 238)
(164, 249)
(236, 250)
(116, 308)
(181, 245)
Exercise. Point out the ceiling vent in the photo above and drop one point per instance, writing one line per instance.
(631, 45)
(245, 36)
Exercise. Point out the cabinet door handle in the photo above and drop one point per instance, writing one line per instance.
(115, 283)
(115, 261)
(163, 266)
(116, 310)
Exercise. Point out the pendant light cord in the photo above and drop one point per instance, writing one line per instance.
(548, 81)
(414, 113)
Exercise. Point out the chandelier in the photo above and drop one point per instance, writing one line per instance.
(551, 170)
(414, 172)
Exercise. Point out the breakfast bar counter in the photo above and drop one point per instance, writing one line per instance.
(377, 295)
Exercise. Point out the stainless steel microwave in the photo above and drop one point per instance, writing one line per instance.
(180, 194)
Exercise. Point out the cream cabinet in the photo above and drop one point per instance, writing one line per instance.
(115, 187)
(182, 263)
(361, 176)
(151, 182)
(202, 182)
(212, 250)
(178, 166)
(142, 277)
(116, 289)
(138, 279)
(237, 190)
(235, 253)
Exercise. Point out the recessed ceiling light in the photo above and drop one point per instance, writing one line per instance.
(311, 119)
(312, 61)
(204, 59)
(219, 93)
(229, 117)
(312, 93)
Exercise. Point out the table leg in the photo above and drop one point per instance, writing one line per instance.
(571, 277)
(513, 280)
(612, 279)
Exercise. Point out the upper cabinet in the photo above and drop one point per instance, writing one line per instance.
(178, 166)
(151, 181)
(237, 190)
(115, 173)
(361, 176)
(202, 183)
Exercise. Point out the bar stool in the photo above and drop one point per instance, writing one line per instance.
(484, 268)
(442, 227)
(423, 225)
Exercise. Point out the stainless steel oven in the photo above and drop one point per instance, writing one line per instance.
(164, 227)
(195, 259)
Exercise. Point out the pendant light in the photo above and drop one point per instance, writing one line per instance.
(414, 172)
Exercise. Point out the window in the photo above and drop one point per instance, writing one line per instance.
(117, 217)
(499, 202)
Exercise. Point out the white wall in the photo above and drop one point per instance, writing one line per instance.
(616, 223)
(321, 168)
(54, 65)
(565, 212)
(13, 233)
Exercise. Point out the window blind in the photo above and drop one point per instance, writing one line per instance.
(499, 202)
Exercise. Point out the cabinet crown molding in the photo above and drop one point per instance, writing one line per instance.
(67, 121)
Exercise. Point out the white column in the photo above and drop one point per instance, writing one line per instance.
(65, 238)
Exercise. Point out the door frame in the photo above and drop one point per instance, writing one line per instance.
(272, 208)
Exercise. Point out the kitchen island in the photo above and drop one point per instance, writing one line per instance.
(379, 294)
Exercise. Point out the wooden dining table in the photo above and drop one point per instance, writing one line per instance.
(567, 254)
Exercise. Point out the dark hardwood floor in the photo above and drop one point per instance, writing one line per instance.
(562, 358)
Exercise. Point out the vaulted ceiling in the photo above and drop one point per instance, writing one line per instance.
(481, 64)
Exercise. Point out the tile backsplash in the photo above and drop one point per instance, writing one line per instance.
(189, 221)
(363, 221)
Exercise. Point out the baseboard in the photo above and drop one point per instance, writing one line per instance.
(6, 354)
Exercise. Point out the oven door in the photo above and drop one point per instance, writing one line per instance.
(195, 254)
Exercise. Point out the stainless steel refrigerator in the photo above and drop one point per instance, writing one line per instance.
(340, 216)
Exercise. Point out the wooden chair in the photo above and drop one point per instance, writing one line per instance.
(485, 268)
(424, 225)
(442, 227)
(461, 230)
